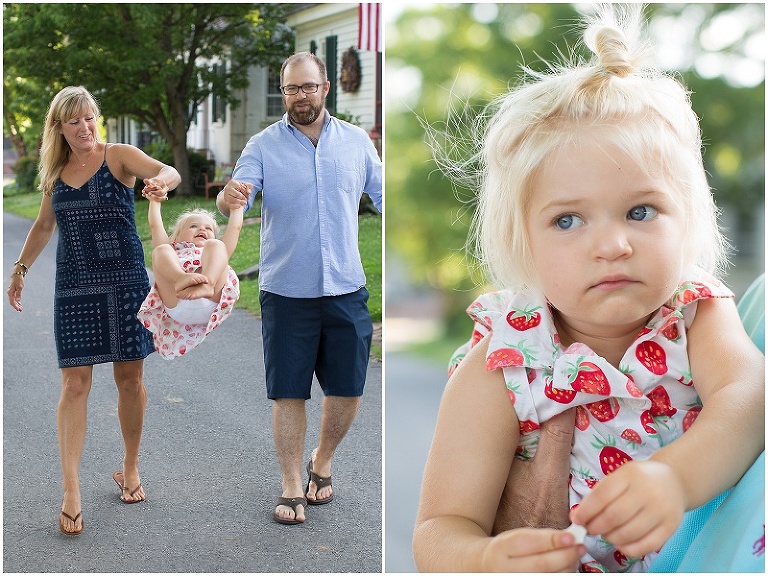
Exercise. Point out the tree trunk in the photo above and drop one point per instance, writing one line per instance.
(16, 140)
(181, 162)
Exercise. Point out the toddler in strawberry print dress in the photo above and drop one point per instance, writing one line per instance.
(596, 224)
(621, 414)
(195, 288)
(175, 336)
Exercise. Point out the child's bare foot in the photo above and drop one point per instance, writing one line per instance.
(189, 279)
(196, 291)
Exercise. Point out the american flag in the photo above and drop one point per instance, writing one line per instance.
(369, 27)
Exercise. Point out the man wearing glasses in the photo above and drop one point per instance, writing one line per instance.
(312, 170)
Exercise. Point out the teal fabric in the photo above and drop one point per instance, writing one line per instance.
(728, 533)
(752, 312)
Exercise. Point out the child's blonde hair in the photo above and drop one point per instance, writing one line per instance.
(643, 112)
(185, 216)
(54, 150)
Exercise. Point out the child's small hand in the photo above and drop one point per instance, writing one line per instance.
(155, 189)
(636, 508)
(532, 550)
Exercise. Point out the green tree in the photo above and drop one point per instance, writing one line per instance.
(452, 56)
(152, 62)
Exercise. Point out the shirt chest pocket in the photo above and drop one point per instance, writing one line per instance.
(349, 175)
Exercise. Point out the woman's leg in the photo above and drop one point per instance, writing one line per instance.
(71, 419)
(214, 264)
(131, 404)
(170, 277)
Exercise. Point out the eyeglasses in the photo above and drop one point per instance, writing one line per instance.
(292, 89)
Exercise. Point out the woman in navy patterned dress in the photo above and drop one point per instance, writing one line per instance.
(101, 279)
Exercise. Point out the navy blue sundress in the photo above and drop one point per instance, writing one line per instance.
(101, 279)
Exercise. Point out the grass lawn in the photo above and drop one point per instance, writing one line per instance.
(247, 253)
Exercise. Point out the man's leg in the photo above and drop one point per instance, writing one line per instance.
(289, 426)
(338, 414)
(341, 370)
(290, 332)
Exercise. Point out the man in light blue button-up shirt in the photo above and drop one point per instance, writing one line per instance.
(312, 170)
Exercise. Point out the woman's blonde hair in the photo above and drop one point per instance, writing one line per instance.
(54, 150)
(636, 108)
(185, 216)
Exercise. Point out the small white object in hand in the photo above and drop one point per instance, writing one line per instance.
(579, 532)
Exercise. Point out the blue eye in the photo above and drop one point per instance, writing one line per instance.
(642, 213)
(568, 222)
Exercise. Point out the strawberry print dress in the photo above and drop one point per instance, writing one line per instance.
(622, 414)
(172, 338)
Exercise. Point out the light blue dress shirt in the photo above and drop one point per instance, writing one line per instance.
(310, 199)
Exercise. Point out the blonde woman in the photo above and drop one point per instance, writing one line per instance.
(101, 280)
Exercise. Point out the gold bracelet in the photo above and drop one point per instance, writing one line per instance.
(22, 274)
(20, 263)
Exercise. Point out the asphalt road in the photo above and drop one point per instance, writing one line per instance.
(414, 388)
(208, 463)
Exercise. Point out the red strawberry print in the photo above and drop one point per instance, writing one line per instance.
(648, 422)
(632, 387)
(593, 566)
(690, 417)
(604, 410)
(660, 402)
(610, 457)
(591, 379)
(476, 337)
(524, 319)
(582, 418)
(512, 356)
(671, 332)
(558, 395)
(632, 436)
(504, 357)
(528, 426)
(694, 290)
(621, 560)
(530, 374)
(652, 356)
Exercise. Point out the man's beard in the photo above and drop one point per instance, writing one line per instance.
(306, 115)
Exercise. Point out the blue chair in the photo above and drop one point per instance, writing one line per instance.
(728, 533)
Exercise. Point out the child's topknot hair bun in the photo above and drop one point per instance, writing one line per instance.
(615, 38)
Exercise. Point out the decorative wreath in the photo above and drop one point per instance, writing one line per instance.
(350, 71)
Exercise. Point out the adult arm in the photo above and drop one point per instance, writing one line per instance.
(641, 504)
(133, 163)
(475, 438)
(37, 239)
(545, 475)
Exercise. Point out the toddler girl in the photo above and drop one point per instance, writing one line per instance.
(195, 288)
(596, 220)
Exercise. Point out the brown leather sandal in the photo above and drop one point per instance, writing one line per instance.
(74, 521)
(320, 482)
(291, 503)
(118, 478)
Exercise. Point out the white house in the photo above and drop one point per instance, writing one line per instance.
(326, 29)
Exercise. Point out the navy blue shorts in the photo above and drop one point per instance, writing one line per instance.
(329, 337)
